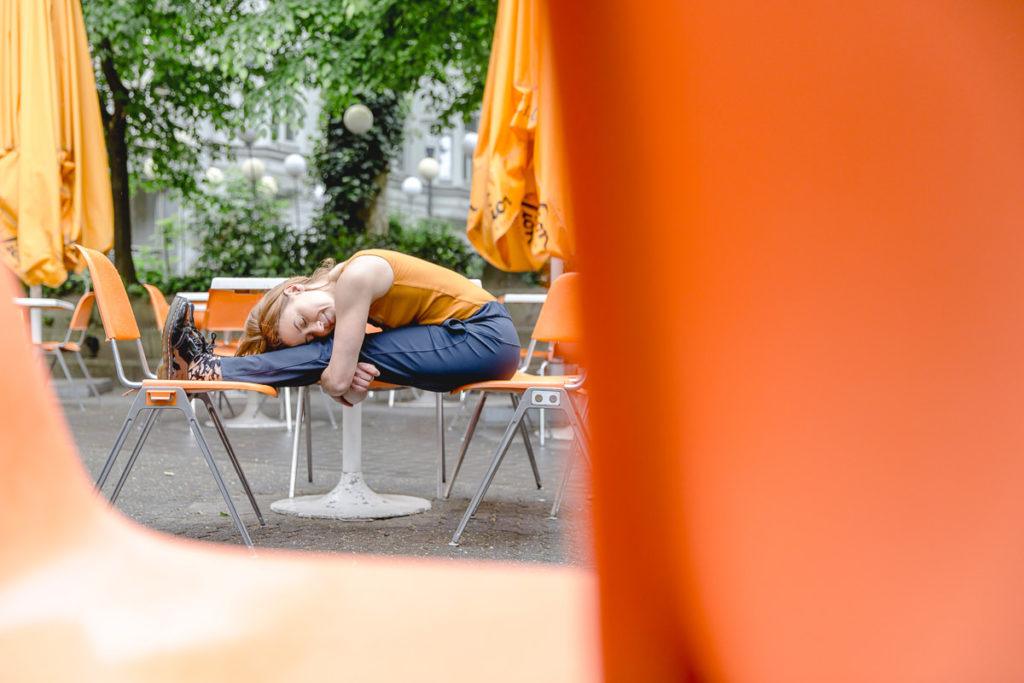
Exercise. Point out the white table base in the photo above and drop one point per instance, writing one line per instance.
(252, 418)
(351, 499)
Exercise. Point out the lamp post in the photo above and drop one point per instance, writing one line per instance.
(295, 166)
(248, 137)
(429, 169)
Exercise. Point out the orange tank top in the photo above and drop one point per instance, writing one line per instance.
(422, 293)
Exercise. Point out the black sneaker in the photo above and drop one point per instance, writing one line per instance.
(186, 354)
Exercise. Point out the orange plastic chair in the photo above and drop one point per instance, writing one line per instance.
(559, 321)
(226, 311)
(79, 322)
(155, 395)
(88, 595)
(159, 304)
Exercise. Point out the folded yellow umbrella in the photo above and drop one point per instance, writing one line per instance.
(54, 177)
(517, 219)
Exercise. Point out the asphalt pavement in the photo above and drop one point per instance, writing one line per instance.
(171, 489)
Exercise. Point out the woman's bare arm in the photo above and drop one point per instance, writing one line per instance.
(364, 280)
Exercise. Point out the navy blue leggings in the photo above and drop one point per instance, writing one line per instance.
(432, 357)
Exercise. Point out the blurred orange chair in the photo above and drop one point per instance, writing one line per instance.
(79, 323)
(159, 304)
(87, 595)
(155, 395)
(226, 312)
(559, 321)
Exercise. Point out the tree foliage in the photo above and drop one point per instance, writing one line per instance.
(160, 75)
(167, 68)
(348, 48)
(351, 167)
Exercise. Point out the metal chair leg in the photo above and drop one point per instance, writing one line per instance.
(67, 373)
(470, 428)
(150, 421)
(441, 465)
(526, 439)
(581, 443)
(287, 408)
(499, 455)
(295, 442)
(88, 378)
(126, 427)
(194, 424)
(219, 425)
(222, 397)
(309, 437)
(561, 485)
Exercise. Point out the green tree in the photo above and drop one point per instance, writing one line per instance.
(378, 53)
(160, 74)
(353, 170)
(348, 48)
(165, 68)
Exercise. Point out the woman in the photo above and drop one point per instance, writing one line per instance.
(438, 331)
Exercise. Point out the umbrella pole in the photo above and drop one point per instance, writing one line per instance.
(557, 268)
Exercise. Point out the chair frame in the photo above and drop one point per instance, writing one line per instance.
(79, 323)
(153, 395)
(543, 392)
(543, 398)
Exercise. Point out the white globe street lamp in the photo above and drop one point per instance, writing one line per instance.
(253, 170)
(295, 166)
(358, 119)
(268, 184)
(412, 186)
(429, 169)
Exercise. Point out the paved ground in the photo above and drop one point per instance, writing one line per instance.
(172, 490)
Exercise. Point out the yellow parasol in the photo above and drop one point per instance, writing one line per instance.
(516, 218)
(54, 180)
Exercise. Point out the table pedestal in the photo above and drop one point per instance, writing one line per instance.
(251, 417)
(351, 499)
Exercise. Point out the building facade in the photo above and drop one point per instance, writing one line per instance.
(447, 196)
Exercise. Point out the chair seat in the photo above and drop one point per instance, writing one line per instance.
(521, 381)
(383, 386)
(225, 350)
(70, 346)
(200, 386)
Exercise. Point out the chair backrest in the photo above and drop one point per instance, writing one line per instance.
(83, 311)
(159, 303)
(560, 319)
(115, 308)
(226, 310)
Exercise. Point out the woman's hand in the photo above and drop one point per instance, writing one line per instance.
(359, 386)
(365, 374)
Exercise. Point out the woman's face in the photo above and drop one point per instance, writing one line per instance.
(306, 314)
